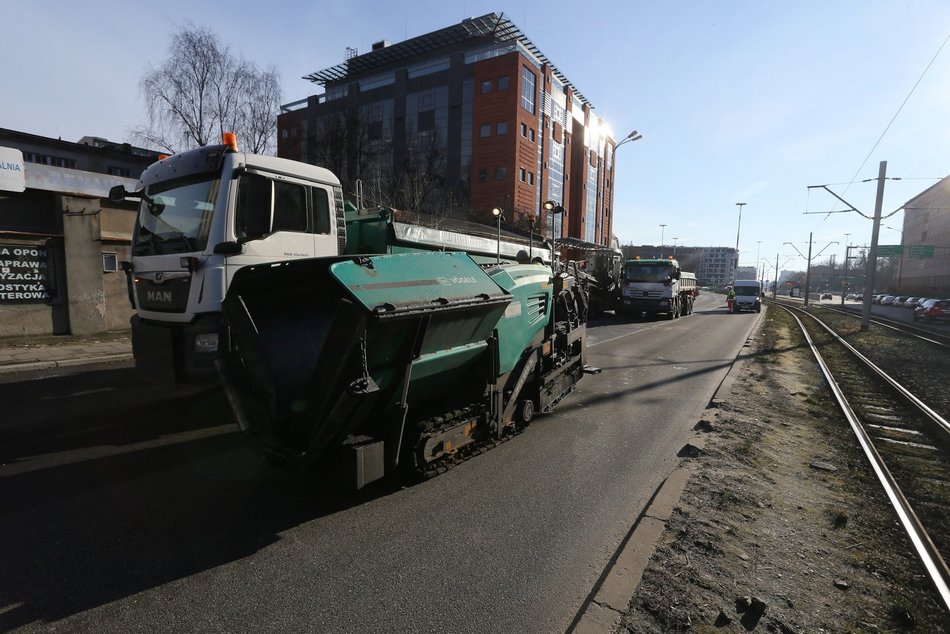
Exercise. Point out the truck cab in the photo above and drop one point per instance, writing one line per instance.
(203, 215)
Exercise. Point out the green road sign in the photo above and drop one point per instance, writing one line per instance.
(920, 251)
(889, 250)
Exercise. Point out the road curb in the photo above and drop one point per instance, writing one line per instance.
(33, 366)
(603, 612)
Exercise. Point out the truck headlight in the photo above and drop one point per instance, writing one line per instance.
(206, 342)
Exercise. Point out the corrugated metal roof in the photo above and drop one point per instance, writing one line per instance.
(492, 27)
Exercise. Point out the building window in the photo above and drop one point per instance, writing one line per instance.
(110, 263)
(503, 82)
(486, 86)
(119, 171)
(483, 174)
(524, 129)
(500, 173)
(501, 128)
(521, 174)
(374, 130)
(531, 134)
(484, 130)
(425, 121)
(531, 178)
(528, 82)
(59, 161)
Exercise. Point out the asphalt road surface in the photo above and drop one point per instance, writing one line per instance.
(130, 508)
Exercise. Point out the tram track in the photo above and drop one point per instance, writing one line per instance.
(906, 441)
(929, 335)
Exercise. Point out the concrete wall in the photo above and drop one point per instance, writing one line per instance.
(83, 249)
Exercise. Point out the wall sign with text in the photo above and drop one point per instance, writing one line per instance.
(25, 275)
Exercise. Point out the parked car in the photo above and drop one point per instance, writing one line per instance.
(912, 302)
(849, 296)
(933, 310)
(887, 300)
(859, 297)
(826, 295)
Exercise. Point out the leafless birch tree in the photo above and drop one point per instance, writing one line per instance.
(202, 90)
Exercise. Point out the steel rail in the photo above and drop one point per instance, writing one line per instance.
(926, 551)
(893, 324)
(896, 325)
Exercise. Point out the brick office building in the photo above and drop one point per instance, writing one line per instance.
(457, 122)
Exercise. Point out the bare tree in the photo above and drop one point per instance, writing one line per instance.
(202, 90)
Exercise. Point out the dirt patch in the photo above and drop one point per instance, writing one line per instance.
(783, 527)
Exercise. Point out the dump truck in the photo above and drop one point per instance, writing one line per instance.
(206, 213)
(360, 366)
(658, 285)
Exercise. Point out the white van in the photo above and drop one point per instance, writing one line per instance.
(748, 296)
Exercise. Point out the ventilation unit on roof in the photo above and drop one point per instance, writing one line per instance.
(381, 44)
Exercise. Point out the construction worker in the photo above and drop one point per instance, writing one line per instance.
(730, 297)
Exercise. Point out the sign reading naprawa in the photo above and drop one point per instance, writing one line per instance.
(12, 176)
(25, 276)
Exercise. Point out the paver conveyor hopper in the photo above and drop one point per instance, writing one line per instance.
(365, 362)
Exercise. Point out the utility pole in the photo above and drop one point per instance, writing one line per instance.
(808, 270)
(847, 254)
(775, 285)
(738, 226)
(872, 254)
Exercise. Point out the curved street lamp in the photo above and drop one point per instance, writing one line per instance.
(496, 211)
(553, 208)
(633, 136)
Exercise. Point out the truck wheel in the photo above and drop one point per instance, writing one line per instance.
(526, 411)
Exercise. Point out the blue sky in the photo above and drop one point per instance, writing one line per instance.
(737, 101)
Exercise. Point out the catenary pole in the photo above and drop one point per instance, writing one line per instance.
(872, 254)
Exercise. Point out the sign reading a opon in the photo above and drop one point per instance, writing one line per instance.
(12, 176)
(25, 276)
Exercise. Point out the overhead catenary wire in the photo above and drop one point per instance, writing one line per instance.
(891, 122)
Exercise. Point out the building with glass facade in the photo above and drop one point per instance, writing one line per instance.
(456, 122)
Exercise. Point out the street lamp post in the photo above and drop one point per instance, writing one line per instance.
(553, 209)
(531, 218)
(662, 229)
(758, 250)
(633, 136)
(738, 227)
(674, 247)
(496, 211)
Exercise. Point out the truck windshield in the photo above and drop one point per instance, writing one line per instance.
(747, 291)
(175, 216)
(646, 272)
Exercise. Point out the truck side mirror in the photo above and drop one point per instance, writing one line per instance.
(228, 248)
(117, 194)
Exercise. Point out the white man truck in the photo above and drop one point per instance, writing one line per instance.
(208, 212)
(655, 286)
(748, 296)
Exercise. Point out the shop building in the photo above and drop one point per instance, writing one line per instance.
(61, 240)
